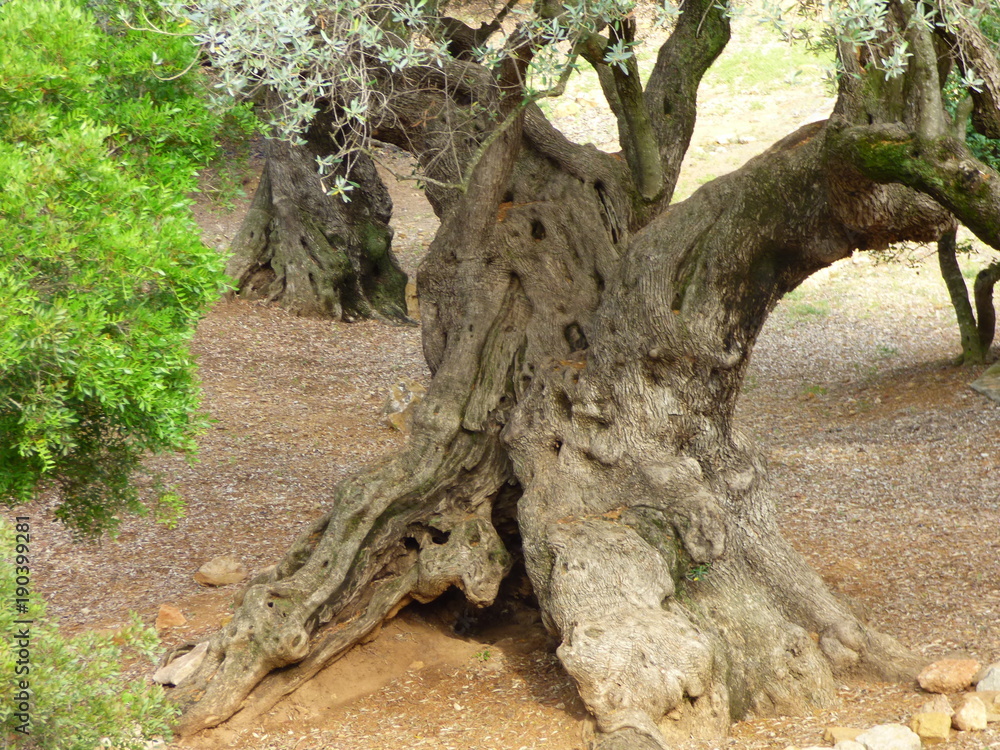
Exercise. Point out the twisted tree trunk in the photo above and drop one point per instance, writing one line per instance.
(585, 388)
(588, 342)
(313, 253)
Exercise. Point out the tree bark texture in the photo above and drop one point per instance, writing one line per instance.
(986, 316)
(315, 254)
(973, 351)
(588, 342)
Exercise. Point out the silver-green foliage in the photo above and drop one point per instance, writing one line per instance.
(102, 274)
(348, 56)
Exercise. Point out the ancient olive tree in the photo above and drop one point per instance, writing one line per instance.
(301, 245)
(588, 340)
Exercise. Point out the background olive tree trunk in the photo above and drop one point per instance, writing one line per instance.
(313, 253)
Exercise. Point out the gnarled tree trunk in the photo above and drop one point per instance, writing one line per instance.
(587, 344)
(585, 387)
(313, 253)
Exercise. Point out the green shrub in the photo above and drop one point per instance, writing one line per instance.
(78, 695)
(102, 273)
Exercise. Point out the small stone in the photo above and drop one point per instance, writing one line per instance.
(221, 571)
(990, 679)
(938, 704)
(169, 617)
(989, 383)
(834, 735)
(398, 421)
(948, 675)
(889, 737)
(182, 667)
(415, 665)
(932, 725)
(848, 745)
(412, 303)
(970, 715)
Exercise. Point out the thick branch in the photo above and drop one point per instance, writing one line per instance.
(623, 92)
(463, 39)
(592, 48)
(923, 79)
(942, 168)
(635, 128)
(702, 32)
(977, 59)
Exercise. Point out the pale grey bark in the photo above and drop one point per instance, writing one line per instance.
(588, 347)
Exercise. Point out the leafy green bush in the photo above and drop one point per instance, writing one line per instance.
(102, 273)
(78, 695)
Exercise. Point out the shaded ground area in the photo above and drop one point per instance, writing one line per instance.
(886, 468)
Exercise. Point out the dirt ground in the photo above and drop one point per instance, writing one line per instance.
(886, 469)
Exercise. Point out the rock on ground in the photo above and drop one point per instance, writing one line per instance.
(403, 396)
(937, 704)
(988, 383)
(931, 725)
(836, 735)
(970, 715)
(889, 737)
(221, 571)
(948, 675)
(182, 667)
(991, 678)
(169, 617)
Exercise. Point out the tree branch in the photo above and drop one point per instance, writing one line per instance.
(925, 84)
(959, 293)
(463, 39)
(671, 98)
(942, 168)
(976, 58)
(635, 129)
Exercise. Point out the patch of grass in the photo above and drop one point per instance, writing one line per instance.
(808, 310)
(815, 390)
(768, 66)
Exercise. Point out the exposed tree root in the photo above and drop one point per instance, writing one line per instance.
(408, 530)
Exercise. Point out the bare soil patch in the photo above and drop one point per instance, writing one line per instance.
(886, 469)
